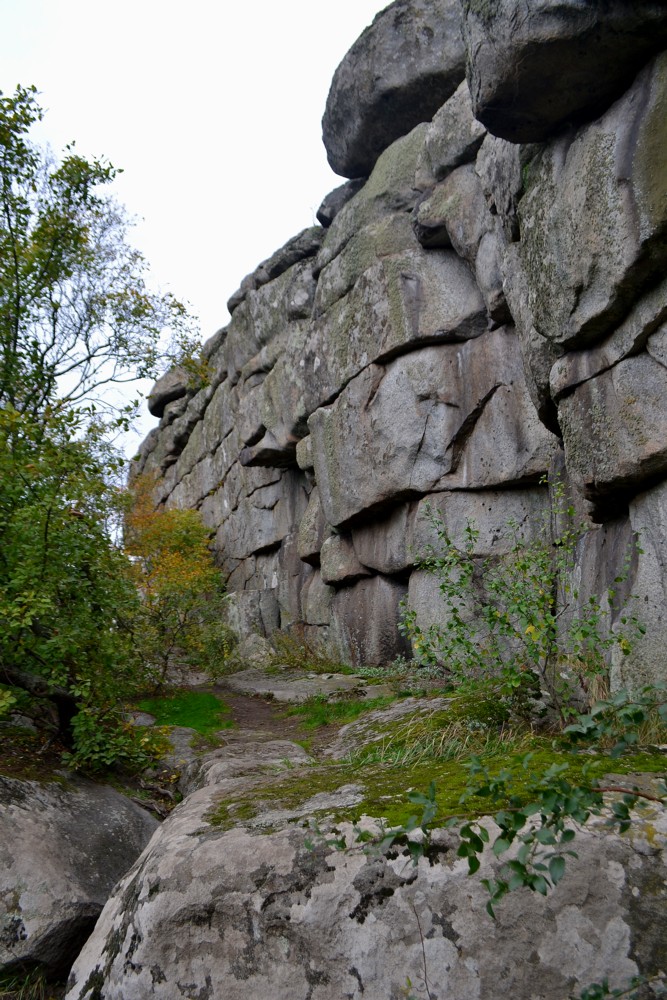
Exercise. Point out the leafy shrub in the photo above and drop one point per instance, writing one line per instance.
(179, 621)
(519, 620)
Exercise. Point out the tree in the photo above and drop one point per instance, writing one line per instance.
(179, 619)
(75, 310)
(75, 314)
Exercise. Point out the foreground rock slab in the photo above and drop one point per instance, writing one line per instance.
(218, 907)
(63, 846)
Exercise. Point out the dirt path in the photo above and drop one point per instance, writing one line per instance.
(270, 718)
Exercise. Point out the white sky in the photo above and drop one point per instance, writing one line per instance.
(213, 110)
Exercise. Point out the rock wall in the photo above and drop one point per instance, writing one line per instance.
(477, 309)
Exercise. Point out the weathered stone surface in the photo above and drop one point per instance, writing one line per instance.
(389, 189)
(313, 530)
(643, 327)
(615, 428)
(316, 601)
(304, 453)
(251, 612)
(171, 386)
(645, 590)
(534, 67)
(336, 199)
(452, 138)
(465, 418)
(384, 543)
(403, 300)
(300, 247)
(463, 209)
(63, 846)
(293, 574)
(338, 561)
(594, 219)
(240, 912)
(262, 519)
(397, 74)
(364, 619)
(501, 517)
(390, 234)
(291, 687)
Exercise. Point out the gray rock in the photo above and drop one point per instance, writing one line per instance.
(391, 188)
(237, 912)
(339, 563)
(501, 518)
(397, 74)
(488, 274)
(293, 575)
(304, 453)
(171, 386)
(252, 612)
(457, 204)
(594, 220)
(644, 591)
(313, 530)
(465, 421)
(336, 199)
(63, 846)
(405, 299)
(364, 621)
(452, 138)
(384, 543)
(642, 328)
(291, 687)
(615, 429)
(316, 601)
(534, 67)
(300, 247)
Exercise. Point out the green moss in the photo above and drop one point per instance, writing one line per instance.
(198, 710)
(384, 787)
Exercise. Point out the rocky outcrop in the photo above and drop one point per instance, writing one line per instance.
(478, 313)
(230, 900)
(63, 846)
(536, 66)
(397, 74)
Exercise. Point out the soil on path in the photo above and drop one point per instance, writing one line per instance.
(261, 715)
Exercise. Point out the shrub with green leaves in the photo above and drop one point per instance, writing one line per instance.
(518, 619)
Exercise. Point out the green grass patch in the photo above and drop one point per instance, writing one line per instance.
(198, 710)
(320, 711)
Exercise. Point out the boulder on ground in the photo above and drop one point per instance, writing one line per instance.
(63, 846)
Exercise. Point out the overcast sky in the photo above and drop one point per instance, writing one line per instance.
(213, 110)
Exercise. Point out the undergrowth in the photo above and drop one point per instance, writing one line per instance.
(320, 710)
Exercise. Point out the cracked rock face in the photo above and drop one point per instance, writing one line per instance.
(471, 310)
(536, 66)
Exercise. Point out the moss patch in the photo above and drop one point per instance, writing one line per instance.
(385, 786)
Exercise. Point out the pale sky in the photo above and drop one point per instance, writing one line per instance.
(212, 110)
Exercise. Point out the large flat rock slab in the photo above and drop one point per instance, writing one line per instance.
(296, 687)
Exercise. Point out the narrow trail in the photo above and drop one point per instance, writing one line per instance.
(261, 715)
